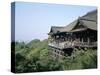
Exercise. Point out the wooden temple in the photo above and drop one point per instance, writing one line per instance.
(81, 33)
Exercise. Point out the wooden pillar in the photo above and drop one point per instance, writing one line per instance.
(82, 40)
(88, 40)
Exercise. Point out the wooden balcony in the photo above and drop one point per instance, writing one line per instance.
(61, 45)
(68, 44)
(86, 44)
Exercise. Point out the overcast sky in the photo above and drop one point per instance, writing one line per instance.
(34, 20)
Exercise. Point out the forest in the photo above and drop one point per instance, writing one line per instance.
(34, 57)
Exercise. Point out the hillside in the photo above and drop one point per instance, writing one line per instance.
(34, 57)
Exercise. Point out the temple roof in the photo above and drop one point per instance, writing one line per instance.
(89, 21)
(92, 16)
(90, 24)
(69, 27)
(56, 29)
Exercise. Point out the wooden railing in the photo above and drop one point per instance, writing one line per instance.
(68, 44)
(85, 44)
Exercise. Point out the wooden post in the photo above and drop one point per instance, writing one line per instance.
(82, 40)
(88, 40)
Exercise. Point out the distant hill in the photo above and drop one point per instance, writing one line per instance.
(36, 43)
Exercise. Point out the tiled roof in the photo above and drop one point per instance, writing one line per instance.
(89, 21)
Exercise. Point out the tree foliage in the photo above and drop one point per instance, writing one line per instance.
(34, 57)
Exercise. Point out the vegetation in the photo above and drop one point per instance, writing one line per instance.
(34, 57)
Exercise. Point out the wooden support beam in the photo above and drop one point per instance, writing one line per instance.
(88, 40)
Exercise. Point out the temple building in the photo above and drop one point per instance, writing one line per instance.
(81, 33)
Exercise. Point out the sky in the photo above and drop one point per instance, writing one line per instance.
(34, 20)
